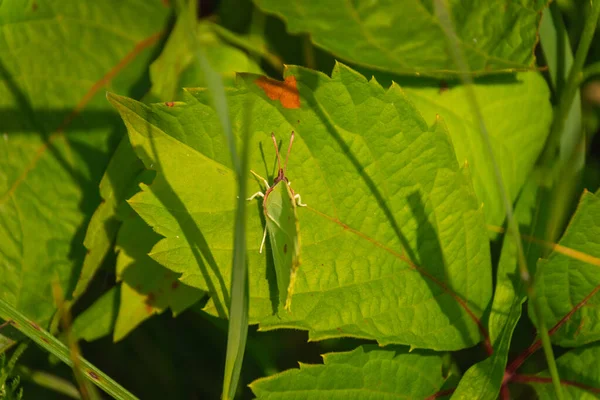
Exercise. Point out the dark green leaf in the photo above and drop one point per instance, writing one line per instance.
(406, 38)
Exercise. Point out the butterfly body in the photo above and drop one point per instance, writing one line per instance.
(279, 207)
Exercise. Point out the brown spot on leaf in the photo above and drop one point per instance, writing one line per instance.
(93, 375)
(170, 103)
(286, 92)
(175, 285)
(285, 248)
(149, 302)
(34, 7)
(35, 326)
(45, 340)
(443, 86)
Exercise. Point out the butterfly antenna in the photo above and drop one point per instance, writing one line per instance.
(276, 149)
(288, 153)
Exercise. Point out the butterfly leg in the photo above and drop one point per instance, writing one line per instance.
(299, 200)
(261, 178)
(262, 244)
(255, 195)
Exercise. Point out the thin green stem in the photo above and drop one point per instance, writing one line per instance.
(49, 381)
(309, 53)
(573, 82)
(547, 346)
(16, 354)
(441, 10)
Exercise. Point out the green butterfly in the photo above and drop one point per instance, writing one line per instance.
(279, 207)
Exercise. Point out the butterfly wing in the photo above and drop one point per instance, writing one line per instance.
(283, 228)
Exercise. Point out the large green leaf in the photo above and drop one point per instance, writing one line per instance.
(56, 59)
(406, 38)
(507, 106)
(579, 372)
(365, 373)
(394, 243)
(567, 284)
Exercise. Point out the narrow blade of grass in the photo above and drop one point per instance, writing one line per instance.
(58, 349)
(238, 310)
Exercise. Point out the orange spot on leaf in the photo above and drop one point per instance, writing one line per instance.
(286, 92)
(170, 103)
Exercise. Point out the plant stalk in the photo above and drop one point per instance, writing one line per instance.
(441, 10)
(573, 81)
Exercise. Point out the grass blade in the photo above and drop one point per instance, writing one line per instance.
(58, 349)
(238, 310)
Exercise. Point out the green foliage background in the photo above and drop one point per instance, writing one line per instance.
(120, 193)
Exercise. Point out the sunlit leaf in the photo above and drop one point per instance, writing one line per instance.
(394, 244)
(507, 106)
(367, 372)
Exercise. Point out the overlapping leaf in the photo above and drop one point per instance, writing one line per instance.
(567, 284)
(394, 242)
(484, 379)
(56, 130)
(177, 66)
(507, 106)
(367, 372)
(147, 288)
(406, 37)
(579, 372)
